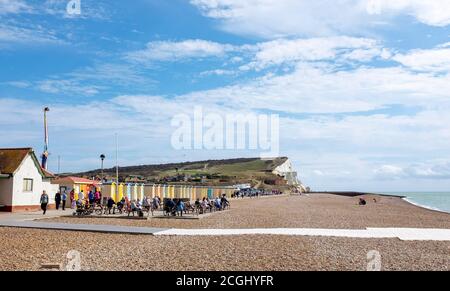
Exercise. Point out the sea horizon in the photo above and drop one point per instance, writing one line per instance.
(433, 200)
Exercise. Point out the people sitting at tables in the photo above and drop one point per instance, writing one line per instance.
(79, 203)
(218, 203)
(133, 206)
(197, 203)
(205, 204)
(138, 204)
(121, 204)
(224, 201)
(156, 202)
(170, 207)
(146, 203)
(110, 205)
(180, 206)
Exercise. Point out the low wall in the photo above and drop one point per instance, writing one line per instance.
(25, 208)
(353, 194)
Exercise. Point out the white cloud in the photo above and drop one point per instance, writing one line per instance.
(318, 173)
(112, 73)
(19, 84)
(27, 35)
(429, 170)
(312, 88)
(389, 172)
(67, 87)
(218, 72)
(315, 49)
(431, 12)
(280, 18)
(13, 6)
(90, 81)
(182, 50)
(431, 60)
(308, 89)
(265, 54)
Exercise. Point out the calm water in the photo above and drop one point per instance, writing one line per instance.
(433, 200)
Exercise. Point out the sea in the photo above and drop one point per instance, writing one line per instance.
(439, 201)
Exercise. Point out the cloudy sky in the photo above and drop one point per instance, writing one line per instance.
(362, 87)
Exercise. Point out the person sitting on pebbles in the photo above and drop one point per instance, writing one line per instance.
(362, 201)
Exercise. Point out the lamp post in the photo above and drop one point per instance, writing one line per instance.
(102, 157)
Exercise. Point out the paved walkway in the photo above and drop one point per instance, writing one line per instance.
(35, 220)
(82, 227)
(415, 234)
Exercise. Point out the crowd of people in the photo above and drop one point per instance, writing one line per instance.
(131, 206)
(91, 199)
(250, 192)
(171, 206)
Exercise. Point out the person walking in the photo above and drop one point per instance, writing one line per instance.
(57, 200)
(72, 198)
(64, 199)
(44, 201)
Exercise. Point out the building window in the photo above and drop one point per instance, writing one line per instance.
(27, 185)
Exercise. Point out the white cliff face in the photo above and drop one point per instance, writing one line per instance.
(287, 171)
(284, 168)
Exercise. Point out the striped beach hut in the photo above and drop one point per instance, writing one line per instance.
(128, 191)
(141, 191)
(121, 192)
(210, 193)
(134, 191)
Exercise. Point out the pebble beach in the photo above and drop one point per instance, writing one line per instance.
(312, 211)
(29, 249)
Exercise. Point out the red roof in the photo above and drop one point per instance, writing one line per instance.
(47, 173)
(76, 180)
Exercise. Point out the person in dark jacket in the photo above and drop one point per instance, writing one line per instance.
(57, 200)
(170, 207)
(110, 205)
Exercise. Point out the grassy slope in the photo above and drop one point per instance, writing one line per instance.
(251, 170)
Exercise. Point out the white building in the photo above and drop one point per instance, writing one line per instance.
(22, 181)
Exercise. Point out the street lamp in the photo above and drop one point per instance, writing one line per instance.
(102, 157)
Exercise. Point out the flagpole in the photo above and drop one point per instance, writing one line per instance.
(117, 160)
(45, 153)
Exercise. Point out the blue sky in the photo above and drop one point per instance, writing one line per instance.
(361, 86)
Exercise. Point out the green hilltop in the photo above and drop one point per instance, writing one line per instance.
(255, 171)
